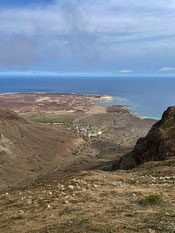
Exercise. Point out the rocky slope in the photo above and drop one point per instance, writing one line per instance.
(158, 145)
(30, 150)
(86, 201)
(95, 201)
(35, 151)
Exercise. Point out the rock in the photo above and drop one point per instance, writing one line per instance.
(71, 187)
(151, 231)
(158, 145)
(29, 202)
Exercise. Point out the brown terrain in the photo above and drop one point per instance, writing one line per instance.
(60, 133)
(61, 103)
(54, 157)
(28, 150)
(140, 200)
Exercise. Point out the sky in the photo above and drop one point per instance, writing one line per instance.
(92, 36)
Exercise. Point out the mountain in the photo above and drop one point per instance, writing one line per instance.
(29, 151)
(158, 145)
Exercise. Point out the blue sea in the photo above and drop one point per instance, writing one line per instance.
(146, 96)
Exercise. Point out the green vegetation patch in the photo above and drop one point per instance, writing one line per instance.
(42, 118)
(151, 200)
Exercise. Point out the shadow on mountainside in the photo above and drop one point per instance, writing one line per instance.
(158, 145)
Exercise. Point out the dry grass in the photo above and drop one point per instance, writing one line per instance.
(92, 201)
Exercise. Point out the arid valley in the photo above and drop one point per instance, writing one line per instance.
(57, 154)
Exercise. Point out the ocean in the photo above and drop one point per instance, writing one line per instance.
(146, 96)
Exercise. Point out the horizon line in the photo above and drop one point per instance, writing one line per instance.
(91, 74)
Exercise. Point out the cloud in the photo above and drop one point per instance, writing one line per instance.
(17, 50)
(60, 32)
(125, 71)
(75, 34)
(167, 69)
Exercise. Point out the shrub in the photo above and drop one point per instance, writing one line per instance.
(151, 200)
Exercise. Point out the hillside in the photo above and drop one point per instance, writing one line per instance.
(56, 134)
(57, 193)
(158, 145)
(141, 200)
(28, 151)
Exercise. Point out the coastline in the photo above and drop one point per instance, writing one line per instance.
(99, 134)
(102, 101)
(143, 103)
(111, 100)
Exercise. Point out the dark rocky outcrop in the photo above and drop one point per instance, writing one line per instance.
(158, 145)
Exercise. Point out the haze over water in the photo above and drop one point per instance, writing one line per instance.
(147, 96)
